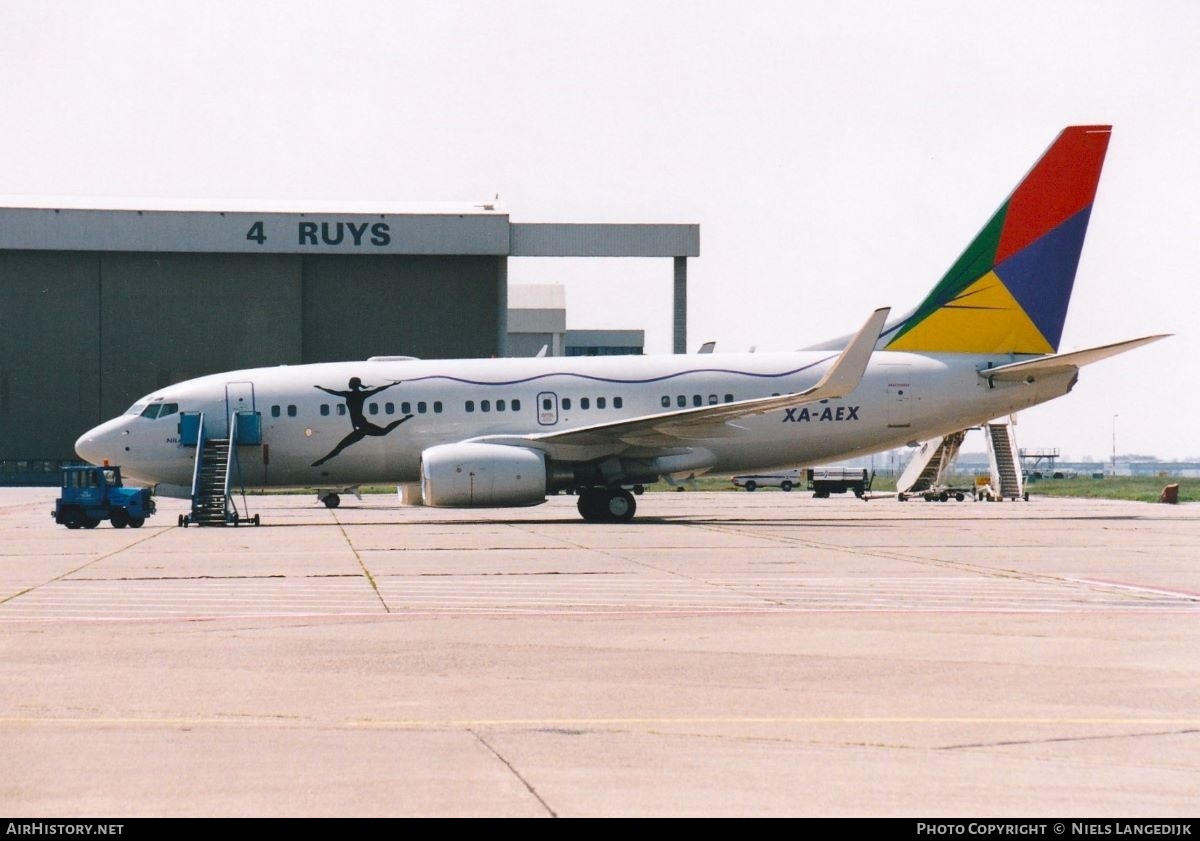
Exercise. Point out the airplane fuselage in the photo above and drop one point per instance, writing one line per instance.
(505, 432)
(350, 423)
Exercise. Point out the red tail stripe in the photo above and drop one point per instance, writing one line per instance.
(1060, 185)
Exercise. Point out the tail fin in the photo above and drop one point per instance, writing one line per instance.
(1008, 292)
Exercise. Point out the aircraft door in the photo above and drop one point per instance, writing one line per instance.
(899, 402)
(239, 397)
(547, 408)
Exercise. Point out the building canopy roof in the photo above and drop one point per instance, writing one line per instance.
(290, 227)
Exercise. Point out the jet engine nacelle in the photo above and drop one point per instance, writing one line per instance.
(482, 476)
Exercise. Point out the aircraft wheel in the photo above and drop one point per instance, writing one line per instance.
(619, 506)
(902, 497)
(589, 505)
(136, 522)
(256, 520)
(752, 486)
(119, 517)
(332, 501)
(785, 486)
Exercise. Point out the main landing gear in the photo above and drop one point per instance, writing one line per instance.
(606, 505)
(331, 499)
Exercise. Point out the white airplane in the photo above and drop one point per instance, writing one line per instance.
(507, 432)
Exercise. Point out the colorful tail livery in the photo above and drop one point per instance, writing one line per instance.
(1009, 290)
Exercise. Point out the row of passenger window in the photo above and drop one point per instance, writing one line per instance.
(586, 403)
(486, 405)
(406, 408)
(162, 410)
(681, 400)
(515, 405)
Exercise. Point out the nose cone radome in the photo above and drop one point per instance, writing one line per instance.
(101, 444)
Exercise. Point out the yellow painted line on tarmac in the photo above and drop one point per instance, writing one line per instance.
(433, 724)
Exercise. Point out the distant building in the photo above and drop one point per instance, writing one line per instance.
(605, 342)
(537, 318)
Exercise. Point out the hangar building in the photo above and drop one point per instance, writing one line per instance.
(537, 323)
(102, 305)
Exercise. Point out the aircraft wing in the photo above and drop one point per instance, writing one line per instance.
(654, 434)
(1061, 361)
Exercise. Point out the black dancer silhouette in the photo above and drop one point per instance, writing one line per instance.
(355, 398)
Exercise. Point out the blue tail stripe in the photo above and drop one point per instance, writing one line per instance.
(1041, 275)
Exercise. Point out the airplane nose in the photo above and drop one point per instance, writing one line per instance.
(86, 447)
(98, 444)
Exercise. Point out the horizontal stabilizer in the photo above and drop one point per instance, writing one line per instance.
(1063, 361)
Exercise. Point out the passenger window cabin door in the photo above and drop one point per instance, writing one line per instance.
(239, 397)
(547, 408)
(899, 403)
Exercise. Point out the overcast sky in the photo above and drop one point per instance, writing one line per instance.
(837, 157)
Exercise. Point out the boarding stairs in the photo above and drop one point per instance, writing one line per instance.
(213, 500)
(210, 499)
(1004, 460)
(930, 464)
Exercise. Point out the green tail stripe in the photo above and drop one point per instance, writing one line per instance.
(976, 261)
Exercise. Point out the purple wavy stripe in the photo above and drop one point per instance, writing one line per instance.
(615, 380)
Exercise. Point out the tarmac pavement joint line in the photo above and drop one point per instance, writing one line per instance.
(1186, 732)
(514, 771)
(975, 569)
(370, 578)
(161, 530)
(1153, 591)
(674, 573)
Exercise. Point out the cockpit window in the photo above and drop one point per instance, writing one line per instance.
(158, 410)
(136, 408)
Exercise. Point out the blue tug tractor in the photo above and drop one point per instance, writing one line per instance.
(91, 494)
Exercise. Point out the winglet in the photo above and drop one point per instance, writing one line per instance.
(680, 427)
(848, 369)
